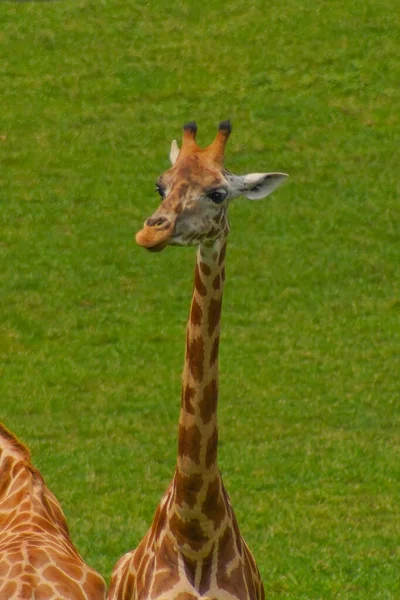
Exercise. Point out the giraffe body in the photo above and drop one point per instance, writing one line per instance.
(194, 549)
(38, 560)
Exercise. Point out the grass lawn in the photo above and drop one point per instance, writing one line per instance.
(92, 326)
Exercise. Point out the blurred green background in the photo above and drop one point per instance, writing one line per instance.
(92, 327)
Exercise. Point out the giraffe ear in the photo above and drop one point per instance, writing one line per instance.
(256, 186)
(174, 152)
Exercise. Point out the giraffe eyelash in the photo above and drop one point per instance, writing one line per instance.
(160, 190)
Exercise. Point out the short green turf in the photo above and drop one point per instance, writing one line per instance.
(92, 327)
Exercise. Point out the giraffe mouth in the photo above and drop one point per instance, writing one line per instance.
(154, 238)
(157, 247)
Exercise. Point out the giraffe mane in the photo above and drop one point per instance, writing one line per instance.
(9, 441)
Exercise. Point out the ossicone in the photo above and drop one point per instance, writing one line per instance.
(190, 127)
(225, 127)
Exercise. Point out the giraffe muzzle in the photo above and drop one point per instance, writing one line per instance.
(155, 234)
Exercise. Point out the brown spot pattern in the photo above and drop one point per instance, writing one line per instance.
(195, 357)
(44, 525)
(39, 558)
(9, 590)
(250, 581)
(198, 284)
(146, 577)
(15, 571)
(214, 506)
(188, 395)
(205, 269)
(234, 582)
(189, 441)
(144, 562)
(130, 586)
(190, 569)
(262, 592)
(187, 488)
(42, 592)
(139, 553)
(214, 315)
(73, 570)
(7, 464)
(167, 558)
(231, 514)
(161, 584)
(226, 551)
(188, 531)
(93, 586)
(36, 543)
(216, 283)
(212, 446)
(222, 255)
(235, 524)
(159, 522)
(205, 580)
(214, 351)
(5, 481)
(65, 585)
(208, 404)
(196, 313)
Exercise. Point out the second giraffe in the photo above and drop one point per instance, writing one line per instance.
(194, 549)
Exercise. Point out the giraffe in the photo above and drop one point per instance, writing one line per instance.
(194, 549)
(38, 560)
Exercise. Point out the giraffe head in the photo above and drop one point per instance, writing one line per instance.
(196, 192)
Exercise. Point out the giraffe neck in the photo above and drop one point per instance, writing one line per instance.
(197, 509)
(198, 434)
(37, 556)
(23, 488)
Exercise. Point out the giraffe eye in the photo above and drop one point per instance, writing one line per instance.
(160, 190)
(217, 196)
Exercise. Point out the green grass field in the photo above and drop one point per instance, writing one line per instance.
(92, 326)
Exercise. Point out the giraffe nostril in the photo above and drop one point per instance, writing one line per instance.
(159, 222)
